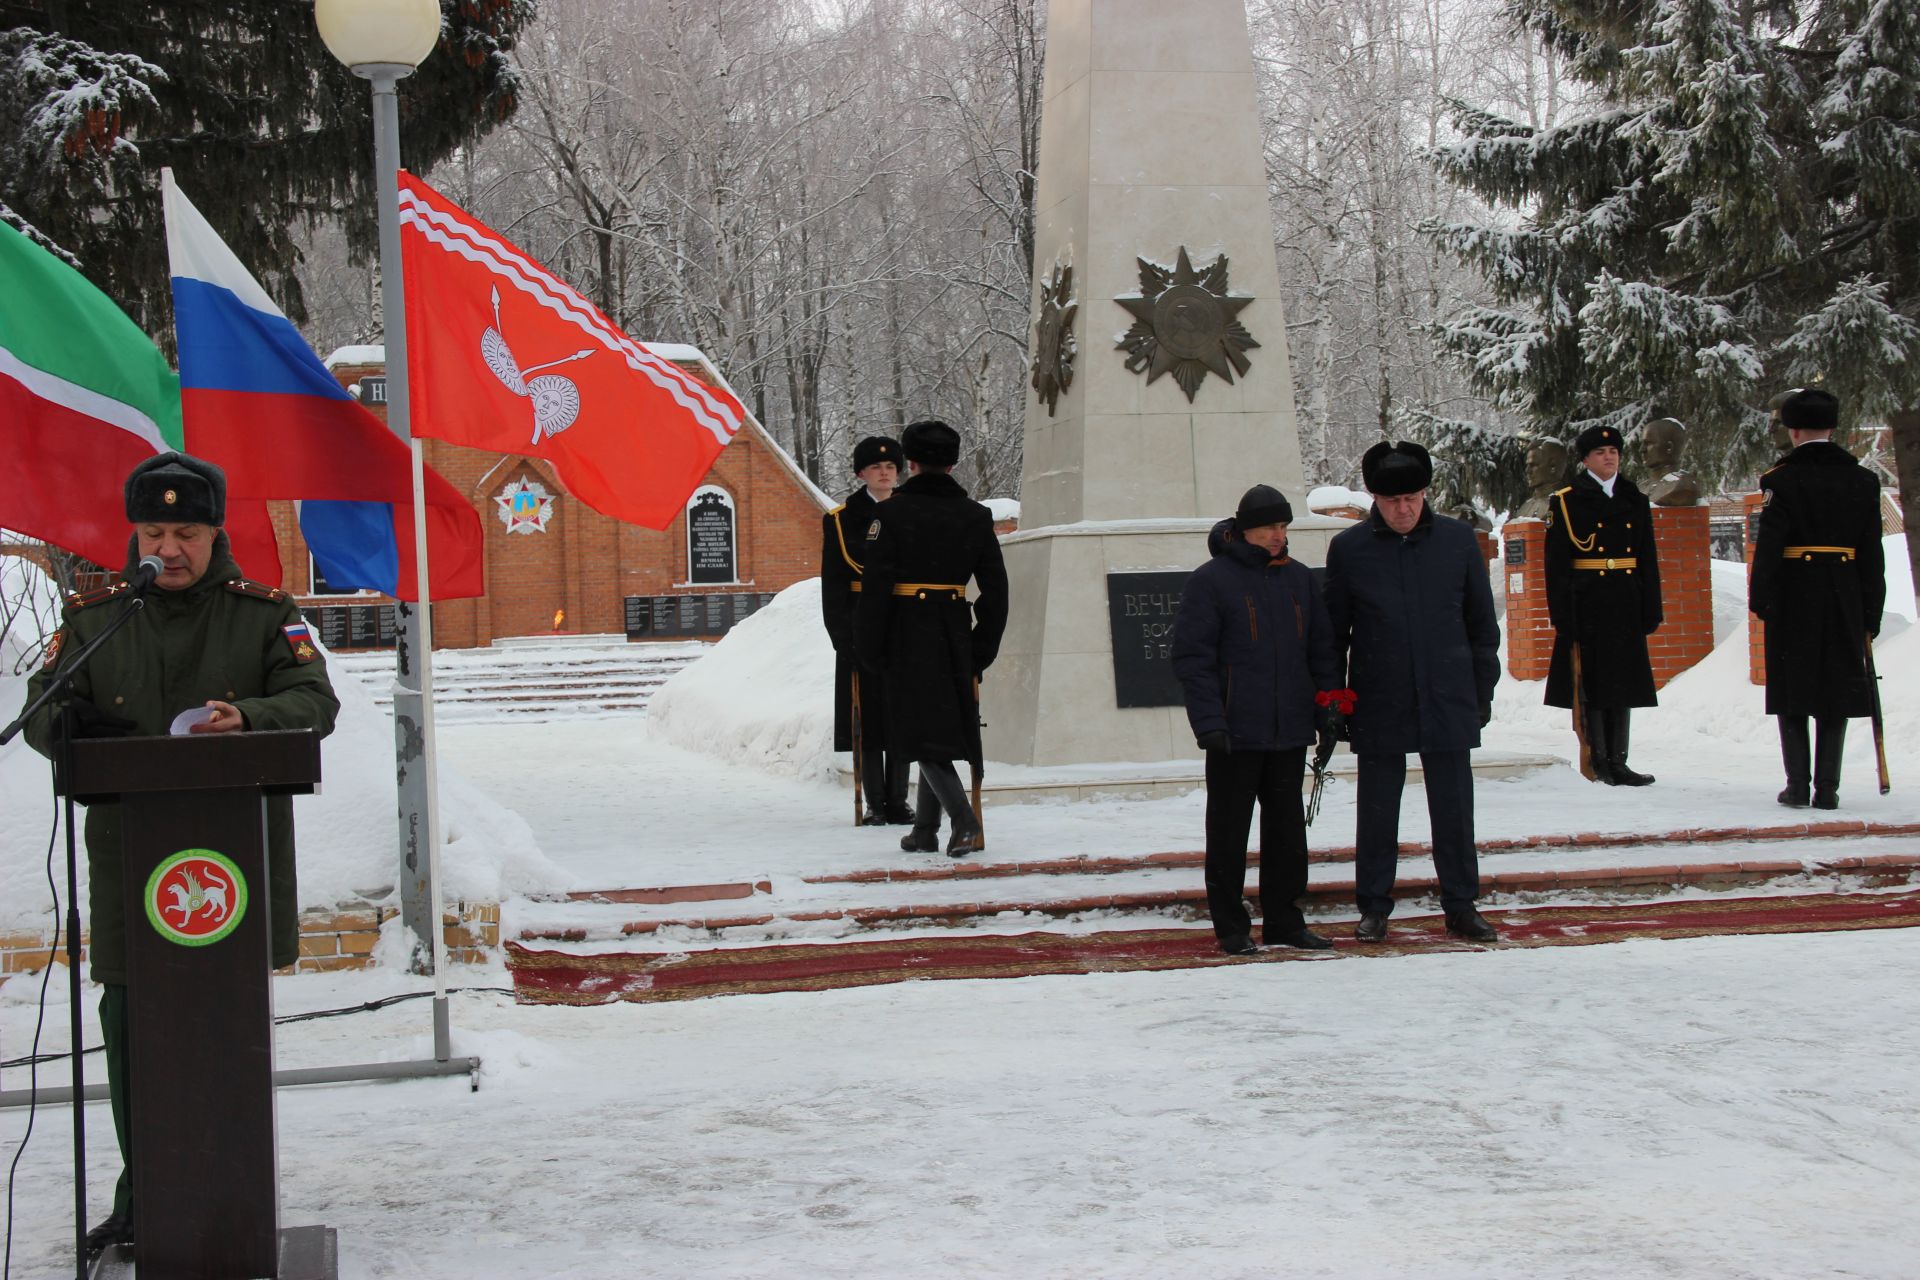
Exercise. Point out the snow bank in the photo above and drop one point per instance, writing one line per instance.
(1002, 508)
(763, 696)
(347, 836)
(1329, 497)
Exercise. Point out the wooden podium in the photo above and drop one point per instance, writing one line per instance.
(199, 958)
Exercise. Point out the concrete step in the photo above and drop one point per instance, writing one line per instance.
(536, 678)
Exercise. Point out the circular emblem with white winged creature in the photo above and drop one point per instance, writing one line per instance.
(196, 897)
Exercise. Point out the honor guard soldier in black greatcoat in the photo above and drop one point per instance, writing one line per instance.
(859, 699)
(913, 623)
(1603, 598)
(1819, 583)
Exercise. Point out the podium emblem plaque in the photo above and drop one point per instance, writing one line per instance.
(196, 897)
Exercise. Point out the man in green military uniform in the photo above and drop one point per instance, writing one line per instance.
(209, 639)
(1603, 598)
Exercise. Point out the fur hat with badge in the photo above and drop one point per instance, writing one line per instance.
(1262, 505)
(173, 488)
(876, 449)
(1597, 438)
(1809, 409)
(1395, 468)
(931, 443)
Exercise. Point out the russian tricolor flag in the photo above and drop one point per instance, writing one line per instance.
(257, 400)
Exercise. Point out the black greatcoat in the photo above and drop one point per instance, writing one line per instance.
(1413, 616)
(930, 643)
(1610, 612)
(1819, 606)
(840, 568)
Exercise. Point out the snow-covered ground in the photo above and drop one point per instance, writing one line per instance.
(1723, 1107)
(1739, 1107)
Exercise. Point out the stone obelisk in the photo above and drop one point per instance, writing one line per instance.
(1160, 384)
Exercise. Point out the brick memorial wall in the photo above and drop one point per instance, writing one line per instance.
(1529, 634)
(1683, 537)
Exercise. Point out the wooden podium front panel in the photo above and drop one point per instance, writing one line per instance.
(201, 1103)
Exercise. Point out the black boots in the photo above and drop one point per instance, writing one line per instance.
(1818, 766)
(1797, 756)
(952, 795)
(1372, 928)
(1617, 718)
(940, 788)
(873, 788)
(1469, 924)
(116, 1228)
(925, 836)
(1597, 756)
(1607, 740)
(899, 812)
(1830, 744)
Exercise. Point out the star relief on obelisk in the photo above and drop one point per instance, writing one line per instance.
(1053, 346)
(1184, 324)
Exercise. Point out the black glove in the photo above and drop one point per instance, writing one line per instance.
(1323, 749)
(1486, 714)
(1214, 740)
(90, 721)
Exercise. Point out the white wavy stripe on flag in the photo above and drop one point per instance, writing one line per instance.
(83, 400)
(455, 236)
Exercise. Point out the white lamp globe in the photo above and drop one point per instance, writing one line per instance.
(367, 32)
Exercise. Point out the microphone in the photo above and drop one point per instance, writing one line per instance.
(150, 567)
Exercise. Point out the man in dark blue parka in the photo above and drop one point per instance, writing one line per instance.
(1252, 646)
(1412, 612)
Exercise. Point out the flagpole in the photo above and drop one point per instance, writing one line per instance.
(413, 692)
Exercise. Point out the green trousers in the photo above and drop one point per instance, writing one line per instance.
(113, 1030)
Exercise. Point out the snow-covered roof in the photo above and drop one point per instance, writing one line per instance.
(365, 353)
(1328, 496)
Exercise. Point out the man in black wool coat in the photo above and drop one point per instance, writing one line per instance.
(1252, 647)
(1412, 612)
(1603, 597)
(914, 624)
(1819, 583)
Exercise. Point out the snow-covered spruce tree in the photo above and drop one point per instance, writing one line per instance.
(1737, 214)
(258, 121)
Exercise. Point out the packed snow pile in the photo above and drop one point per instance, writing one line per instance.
(763, 696)
(1002, 508)
(347, 835)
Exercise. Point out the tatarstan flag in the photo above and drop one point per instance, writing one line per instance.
(85, 395)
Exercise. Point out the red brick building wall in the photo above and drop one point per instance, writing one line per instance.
(1529, 634)
(585, 564)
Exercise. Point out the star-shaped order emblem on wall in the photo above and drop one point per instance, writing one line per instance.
(1184, 324)
(525, 507)
(1053, 347)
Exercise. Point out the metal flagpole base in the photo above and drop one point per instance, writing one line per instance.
(419, 1069)
(306, 1253)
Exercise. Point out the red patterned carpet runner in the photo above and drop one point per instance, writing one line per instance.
(558, 977)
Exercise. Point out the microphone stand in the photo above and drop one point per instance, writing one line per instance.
(58, 687)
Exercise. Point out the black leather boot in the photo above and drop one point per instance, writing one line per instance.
(945, 780)
(925, 836)
(1829, 746)
(1617, 742)
(898, 811)
(1798, 759)
(873, 788)
(1599, 758)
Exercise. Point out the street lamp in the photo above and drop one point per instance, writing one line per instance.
(383, 41)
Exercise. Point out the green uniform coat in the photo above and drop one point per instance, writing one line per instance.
(221, 638)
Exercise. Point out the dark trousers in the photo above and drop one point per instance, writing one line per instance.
(113, 1032)
(1383, 777)
(1236, 780)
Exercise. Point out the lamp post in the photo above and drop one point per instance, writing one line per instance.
(383, 41)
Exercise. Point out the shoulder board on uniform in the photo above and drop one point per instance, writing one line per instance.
(81, 599)
(258, 590)
(1775, 467)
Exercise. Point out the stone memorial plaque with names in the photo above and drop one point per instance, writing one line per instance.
(1516, 551)
(710, 540)
(1141, 608)
(639, 616)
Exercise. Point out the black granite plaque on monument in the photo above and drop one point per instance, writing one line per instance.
(639, 613)
(1141, 608)
(389, 626)
(743, 606)
(716, 615)
(690, 615)
(664, 617)
(710, 551)
(1516, 551)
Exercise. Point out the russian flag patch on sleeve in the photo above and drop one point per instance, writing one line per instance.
(300, 640)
